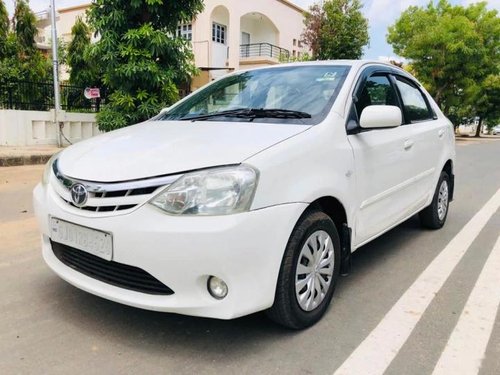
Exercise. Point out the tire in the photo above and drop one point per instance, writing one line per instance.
(313, 228)
(434, 216)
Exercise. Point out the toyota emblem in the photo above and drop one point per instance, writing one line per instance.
(79, 195)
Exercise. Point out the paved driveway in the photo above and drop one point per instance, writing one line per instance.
(416, 300)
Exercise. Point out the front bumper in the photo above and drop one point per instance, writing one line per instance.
(245, 250)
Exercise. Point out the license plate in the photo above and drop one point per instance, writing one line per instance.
(90, 240)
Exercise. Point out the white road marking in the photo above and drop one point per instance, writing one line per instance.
(377, 351)
(465, 349)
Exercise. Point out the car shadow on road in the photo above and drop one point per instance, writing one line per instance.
(225, 340)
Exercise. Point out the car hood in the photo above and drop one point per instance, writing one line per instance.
(156, 148)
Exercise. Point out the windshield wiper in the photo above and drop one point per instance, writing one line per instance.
(251, 113)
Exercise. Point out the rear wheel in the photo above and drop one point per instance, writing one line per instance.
(435, 215)
(308, 274)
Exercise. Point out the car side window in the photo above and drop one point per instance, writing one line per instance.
(415, 105)
(377, 90)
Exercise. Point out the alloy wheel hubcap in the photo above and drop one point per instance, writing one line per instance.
(442, 205)
(314, 273)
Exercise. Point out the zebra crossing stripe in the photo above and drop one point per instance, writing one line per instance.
(465, 349)
(375, 354)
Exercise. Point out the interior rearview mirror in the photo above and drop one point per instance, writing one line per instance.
(381, 116)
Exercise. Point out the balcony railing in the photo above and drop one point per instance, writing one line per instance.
(264, 50)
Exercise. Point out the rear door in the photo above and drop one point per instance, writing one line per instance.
(428, 138)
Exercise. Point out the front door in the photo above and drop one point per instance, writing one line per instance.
(383, 165)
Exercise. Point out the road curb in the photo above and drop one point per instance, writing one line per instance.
(13, 161)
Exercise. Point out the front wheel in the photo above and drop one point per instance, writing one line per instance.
(309, 272)
(435, 215)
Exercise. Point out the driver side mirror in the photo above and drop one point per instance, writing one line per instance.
(381, 116)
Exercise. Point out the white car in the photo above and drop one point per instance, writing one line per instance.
(251, 193)
(495, 130)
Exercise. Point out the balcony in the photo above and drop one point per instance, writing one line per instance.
(42, 43)
(262, 54)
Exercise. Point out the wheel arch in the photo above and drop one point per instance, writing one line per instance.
(334, 208)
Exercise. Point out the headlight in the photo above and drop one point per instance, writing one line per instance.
(218, 191)
(48, 168)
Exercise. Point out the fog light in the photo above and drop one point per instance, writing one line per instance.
(217, 287)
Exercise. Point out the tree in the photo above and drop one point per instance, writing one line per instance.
(4, 28)
(485, 101)
(20, 59)
(336, 30)
(25, 27)
(82, 71)
(141, 58)
(452, 49)
(313, 23)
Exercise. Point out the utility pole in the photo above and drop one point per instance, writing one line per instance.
(55, 63)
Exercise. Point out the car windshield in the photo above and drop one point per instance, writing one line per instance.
(300, 94)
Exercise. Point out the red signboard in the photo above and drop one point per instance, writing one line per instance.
(92, 93)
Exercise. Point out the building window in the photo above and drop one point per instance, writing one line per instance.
(218, 33)
(185, 31)
(295, 42)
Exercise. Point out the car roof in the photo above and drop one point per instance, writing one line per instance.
(356, 64)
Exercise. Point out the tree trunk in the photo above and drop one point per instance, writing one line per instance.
(479, 126)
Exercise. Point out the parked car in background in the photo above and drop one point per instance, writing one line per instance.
(251, 193)
(495, 130)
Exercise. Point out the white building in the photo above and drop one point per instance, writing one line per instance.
(239, 34)
(228, 35)
(66, 18)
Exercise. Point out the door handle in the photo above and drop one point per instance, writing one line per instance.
(441, 133)
(408, 144)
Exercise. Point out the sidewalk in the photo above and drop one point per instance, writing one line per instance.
(12, 156)
(483, 137)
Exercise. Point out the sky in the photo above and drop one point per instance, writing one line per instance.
(383, 13)
(380, 13)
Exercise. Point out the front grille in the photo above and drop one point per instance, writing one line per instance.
(109, 197)
(102, 208)
(117, 274)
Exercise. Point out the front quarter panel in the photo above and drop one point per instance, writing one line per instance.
(316, 163)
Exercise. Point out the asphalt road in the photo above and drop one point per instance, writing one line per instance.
(390, 315)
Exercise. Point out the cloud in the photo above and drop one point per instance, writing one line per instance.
(392, 58)
(304, 3)
(40, 5)
(492, 4)
(384, 12)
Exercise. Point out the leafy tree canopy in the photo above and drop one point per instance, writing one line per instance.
(336, 30)
(454, 51)
(140, 56)
(25, 26)
(4, 28)
(83, 72)
(19, 57)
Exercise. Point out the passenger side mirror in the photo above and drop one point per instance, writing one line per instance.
(381, 116)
